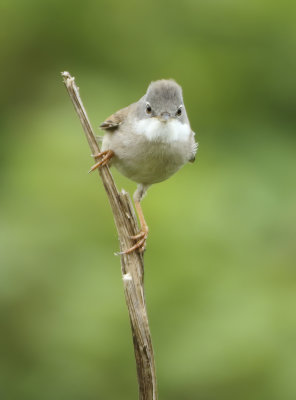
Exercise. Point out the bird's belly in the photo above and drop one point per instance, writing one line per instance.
(150, 152)
(151, 163)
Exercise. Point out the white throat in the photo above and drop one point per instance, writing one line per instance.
(165, 132)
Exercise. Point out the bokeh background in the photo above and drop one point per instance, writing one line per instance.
(220, 264)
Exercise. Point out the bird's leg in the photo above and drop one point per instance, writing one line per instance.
(141, 237)
(144, 226)
(106, 157)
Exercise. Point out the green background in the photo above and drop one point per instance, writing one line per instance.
(220, 264)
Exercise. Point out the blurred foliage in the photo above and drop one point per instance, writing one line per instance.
(220, 264)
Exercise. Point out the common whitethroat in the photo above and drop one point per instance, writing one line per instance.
(148, 141)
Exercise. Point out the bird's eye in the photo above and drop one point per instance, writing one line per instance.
(179, 111)
(148, 108)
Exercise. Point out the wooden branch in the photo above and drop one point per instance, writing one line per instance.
(132, 266)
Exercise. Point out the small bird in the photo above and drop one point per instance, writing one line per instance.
(147, 142)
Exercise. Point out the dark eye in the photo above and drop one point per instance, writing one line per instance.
(179, 111)
(148, 108)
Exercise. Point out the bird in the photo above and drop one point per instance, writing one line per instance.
(148, 141)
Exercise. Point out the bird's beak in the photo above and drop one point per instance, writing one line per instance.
(164, 116)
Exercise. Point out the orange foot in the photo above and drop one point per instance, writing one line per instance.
(141, 238)
(106, 157)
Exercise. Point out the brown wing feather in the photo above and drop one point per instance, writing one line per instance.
(113, 122)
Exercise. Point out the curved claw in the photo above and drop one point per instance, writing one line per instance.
(138, 245)
(141, 243)
(106, 156)
(140, 235)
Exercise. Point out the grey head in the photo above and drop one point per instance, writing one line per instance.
(163, 100)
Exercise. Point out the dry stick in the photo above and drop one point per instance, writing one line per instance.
(132, 266)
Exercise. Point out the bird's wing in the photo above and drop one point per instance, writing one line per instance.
(194, 150)
(115, 120)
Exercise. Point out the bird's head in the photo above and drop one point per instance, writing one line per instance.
(164, 101)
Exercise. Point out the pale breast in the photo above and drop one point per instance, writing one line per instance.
(164, 132)
(152, 151)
